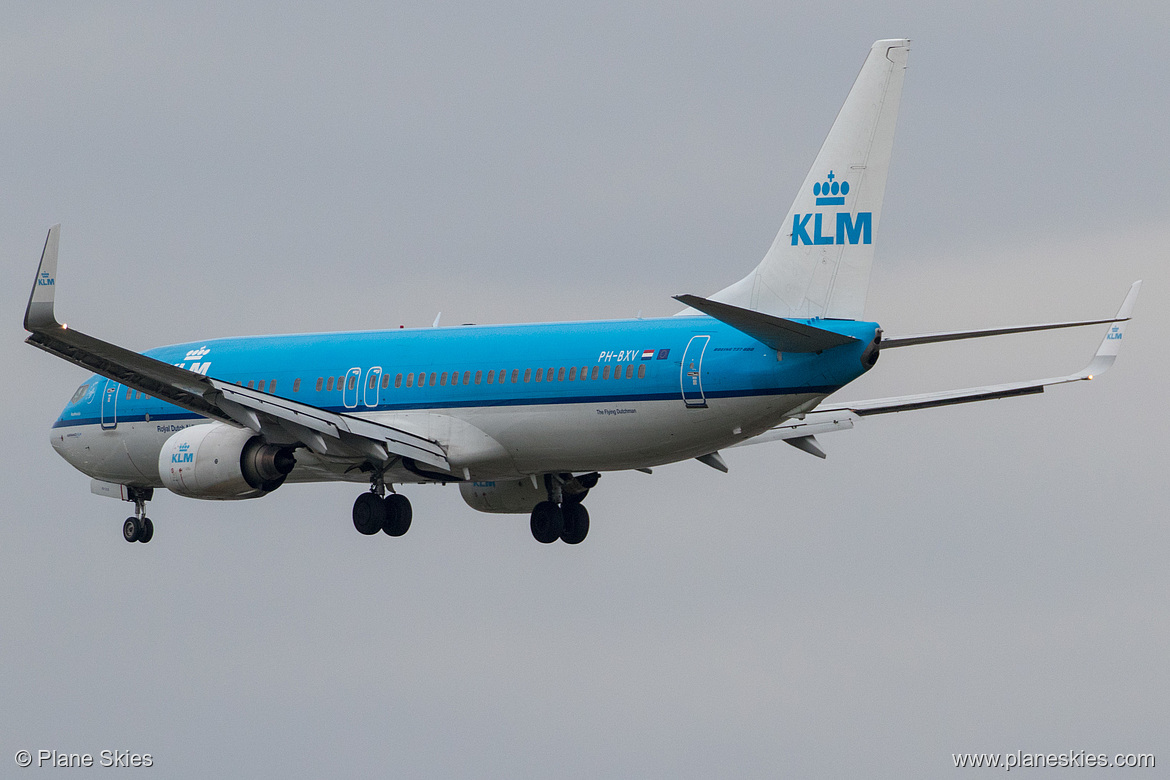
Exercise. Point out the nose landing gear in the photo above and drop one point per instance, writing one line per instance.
(138, 528)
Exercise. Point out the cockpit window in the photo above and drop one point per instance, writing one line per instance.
(79, 394)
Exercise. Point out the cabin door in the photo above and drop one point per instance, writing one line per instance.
(110, 405)
(691, 374)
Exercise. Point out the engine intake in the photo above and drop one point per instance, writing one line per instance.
(217, 461)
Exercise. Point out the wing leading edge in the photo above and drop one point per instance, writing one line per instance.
(842, 416)
(280, 420)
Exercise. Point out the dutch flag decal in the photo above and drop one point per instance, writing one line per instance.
(647, 354)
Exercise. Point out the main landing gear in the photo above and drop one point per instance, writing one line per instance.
(566, 521)
(138, 528)
(375, 511)
(562, 516)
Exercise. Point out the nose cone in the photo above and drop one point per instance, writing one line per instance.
(57, 439)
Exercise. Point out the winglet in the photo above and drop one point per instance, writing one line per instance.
(39, 314)
(1111, 344)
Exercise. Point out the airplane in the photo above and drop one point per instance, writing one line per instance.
(525, 418)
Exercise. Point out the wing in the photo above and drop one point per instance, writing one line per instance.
(842, 416)
(280, 420)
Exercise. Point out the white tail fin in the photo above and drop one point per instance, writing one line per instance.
(819, 264)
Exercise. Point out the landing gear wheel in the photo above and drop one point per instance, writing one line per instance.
(398, 514)
(576, 523)
(131, 530)
(368, 514)
(146, 533)
(547, 522)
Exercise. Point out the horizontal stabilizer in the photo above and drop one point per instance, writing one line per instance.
(776, 332)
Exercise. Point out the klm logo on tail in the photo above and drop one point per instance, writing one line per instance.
(849, 229)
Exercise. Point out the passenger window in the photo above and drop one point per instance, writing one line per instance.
(385, 381)
(561, 374)
(398, 381)
(491, 377)
(319, 381)
(442, 379)
(539, 373)
(642, 371)
(515, 375)
(373, 381)
(630, 371)
(272, 386)
(617, 372)
(251, 384)
(352, 382)
(454, 377)
(129, 393)
(478, 376)
(297, 385)
(593, 373)
(572, 373)
(259, 385)
(410, 380)
(604, 372)
(503, 377)
(432, 379)
(550, 374)
(527, 374)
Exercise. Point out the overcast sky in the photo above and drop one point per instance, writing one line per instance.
(982, 578)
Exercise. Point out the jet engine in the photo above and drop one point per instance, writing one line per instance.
(518, 496)
(509, 497)
(217, 461)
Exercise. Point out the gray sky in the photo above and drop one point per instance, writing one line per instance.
(982, 578)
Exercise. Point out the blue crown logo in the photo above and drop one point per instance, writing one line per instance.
(184, 447)
(831, 193)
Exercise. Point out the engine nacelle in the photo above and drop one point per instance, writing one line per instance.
(217, 461)
(511, 497)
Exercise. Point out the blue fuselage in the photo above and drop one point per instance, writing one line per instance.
(554, 396)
